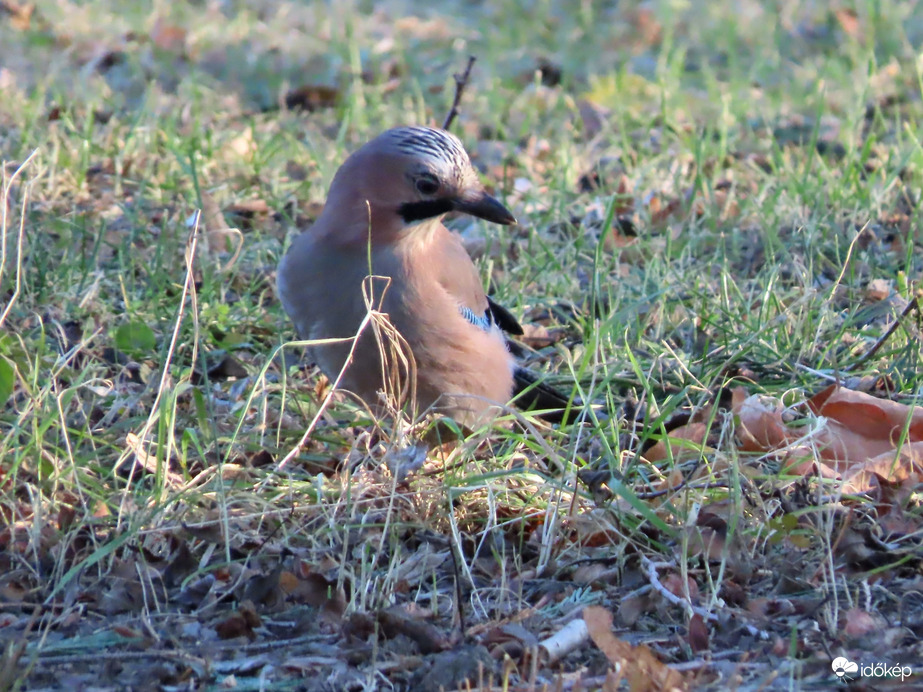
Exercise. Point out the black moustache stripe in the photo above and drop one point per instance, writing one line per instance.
(427, 209)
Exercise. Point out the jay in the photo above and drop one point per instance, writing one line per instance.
(383, 217)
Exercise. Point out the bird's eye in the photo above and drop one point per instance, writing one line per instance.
(427, 185)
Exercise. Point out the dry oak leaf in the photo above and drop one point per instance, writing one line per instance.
(865, 433)
(904, 469)
(868, 415)
(859, 440)
(761, 427)
(638, 664)
(684, 442)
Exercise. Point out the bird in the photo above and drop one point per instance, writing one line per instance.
(383, 217)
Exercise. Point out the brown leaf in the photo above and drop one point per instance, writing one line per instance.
(590, 573)
(662, 211)
(430, 640)
(66, 517)
(673, 583)
(623, 234)
(219, 234)
(904, 469)
(211, 532)
(857, 444)
(761, 428)
(183, 563)
(868, 415)
(771, 607)
(733, 593)
(693, 437)
(697, 634)
(316, 590)
(645, 672)
(706, 541)
(248, 612)
(243, 212)
(250, 207)
(859, 623)
(235, 626)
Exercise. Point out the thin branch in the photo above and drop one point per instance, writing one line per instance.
(910, 307)
(461, 81)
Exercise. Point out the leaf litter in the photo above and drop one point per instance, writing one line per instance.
(712, 532)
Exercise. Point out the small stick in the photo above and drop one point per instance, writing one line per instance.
(910, 307)
(461, 81)
(459, 606)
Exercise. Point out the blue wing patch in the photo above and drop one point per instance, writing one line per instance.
(480, 321)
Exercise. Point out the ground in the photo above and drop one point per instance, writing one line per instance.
(718, 246)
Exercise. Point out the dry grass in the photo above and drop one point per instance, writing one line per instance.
(168, 522)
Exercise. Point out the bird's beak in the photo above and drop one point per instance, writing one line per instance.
(483, 206)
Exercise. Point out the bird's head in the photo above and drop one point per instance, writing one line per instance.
(408, 175)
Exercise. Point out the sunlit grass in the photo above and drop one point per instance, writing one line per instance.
(767, 157)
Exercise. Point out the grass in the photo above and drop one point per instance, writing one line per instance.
(769, 158)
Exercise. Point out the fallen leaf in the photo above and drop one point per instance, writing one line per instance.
(316, 590)
(237, 625)
(858, 623)
(644, 671)
(673, 583)
(760, 425)
(868, 415)
(697, 634)
(682, 443)
(905, 468)
(427, 637)
(857, 444)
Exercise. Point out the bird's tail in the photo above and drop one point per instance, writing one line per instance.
(531, 393)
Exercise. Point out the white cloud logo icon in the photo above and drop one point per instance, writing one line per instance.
(843, 666)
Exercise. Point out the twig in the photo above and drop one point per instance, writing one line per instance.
(461, 81)
(911, 306)
(654, 579)
(459, 606)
